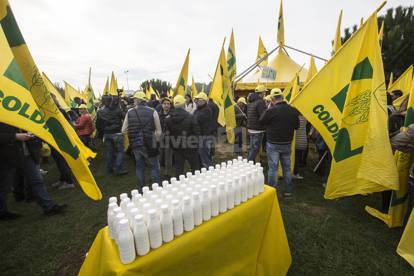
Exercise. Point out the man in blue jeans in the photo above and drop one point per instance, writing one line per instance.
(142, 124)
(109, 123)
(255, 108)
(280, 121)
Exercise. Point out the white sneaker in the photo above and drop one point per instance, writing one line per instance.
(297, 176)
(57, 184)
(66, 185)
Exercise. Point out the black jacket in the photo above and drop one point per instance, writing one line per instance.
(204, 118)
(214, 114)
(240, 115)
(280, 121)
(109, 120)
(255, 109)
(182, 129)
(11, 150)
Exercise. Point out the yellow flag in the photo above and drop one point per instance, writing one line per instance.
(231, 58)
(52, 89)
(261, 52)
(280, 27)
(181, 85)
(26, 102)
(113, 87)
(406, 246)
(390, 82)
(194, 92)
(312, 71)
(90, 103)
(106, 88)
(222, 95)
(170, 93)
(403, 83)
(71, 93)
(399, 199)
(337, 41)
(346, 103)
(381, 33)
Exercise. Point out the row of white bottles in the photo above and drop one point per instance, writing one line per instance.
(146, 221)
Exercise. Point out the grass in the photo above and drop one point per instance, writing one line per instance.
(325, 237)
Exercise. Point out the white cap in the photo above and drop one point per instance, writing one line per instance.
(154, 186)
(113, 199)
(123, 195)
(134, 192)
(123, 224)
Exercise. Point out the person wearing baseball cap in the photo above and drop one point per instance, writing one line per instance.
(143, 127)
(255, 108)
(280, 122)
(240, 112)
(204, 117)
(183, 130)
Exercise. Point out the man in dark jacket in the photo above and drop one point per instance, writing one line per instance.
(240, 111)
(165, 149)
(204, 119)
(183, 132)
(109, 123)
(20, 150)
(255, 108)
(280, 121)
(143, 127)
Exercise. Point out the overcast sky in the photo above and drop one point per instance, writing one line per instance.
(151, 38)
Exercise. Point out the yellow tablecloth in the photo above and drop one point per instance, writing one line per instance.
(247, 240)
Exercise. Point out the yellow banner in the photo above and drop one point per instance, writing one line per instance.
(181, 85)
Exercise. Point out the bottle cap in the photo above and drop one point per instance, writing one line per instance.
(203, 170)
(196, 195)
(175, 202)
(211, 168)
(139, 218)
(123, 224)
(154, 186)
(197, 172)
(123, 195)
(113, 199)
(134, 192)
(189, 174)
(152, 213)
(164, 208)
(222, 186)
(164, 184)
(187, 200)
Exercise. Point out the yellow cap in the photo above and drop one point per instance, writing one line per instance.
(276, 92)
(242, 100)
(140, 96)
(260, 88)
(83, 106)
(179, 100)
(201, 96)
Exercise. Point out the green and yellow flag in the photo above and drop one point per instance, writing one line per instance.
(403, 83)
(399, 199)
(52, 89)
(280, 27)
(381, 33)
(346, 103)
(90, 103)
(181, 85)
(106, 88)
(390, 82)
(312, 71)
(337, 41)
(231, 58)
(406, 246)
(261, 52)
(113, 87)
(194, 92)
(26, 103)
(70, 94)
(221, 94)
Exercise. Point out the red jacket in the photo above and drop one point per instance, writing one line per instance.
(84, 125)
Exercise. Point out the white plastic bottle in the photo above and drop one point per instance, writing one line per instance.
(261, 180)
(134, 192)
(215, 206)
(113, 199)
(145, 191)
(164, 184)
(177, 218)
(167, 227)
(230, 195)
(243, 185)
(142, 244)
(123, 196)
(237, 192)
(222, 198)
(154, 229)
(188, 214)
(124, 203)
(132, 213)
(154, 186)
(120, 216)
(198, 211)
(205, 204)
(126, 244)
(111, 216)
(256, 183)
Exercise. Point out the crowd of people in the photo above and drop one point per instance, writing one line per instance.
(163, 134)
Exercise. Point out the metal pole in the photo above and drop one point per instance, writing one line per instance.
(303, 52)
(320, 162)
(126, 73)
